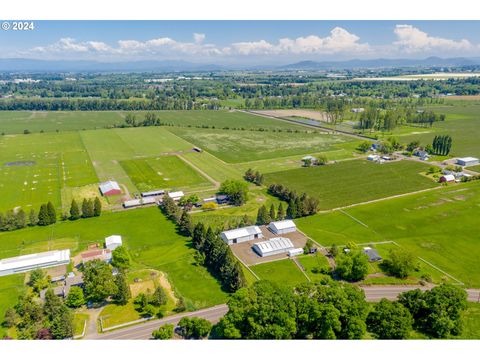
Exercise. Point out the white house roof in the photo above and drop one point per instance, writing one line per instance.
(449, 177)
(282, 225)
(241, 232)
(108, 186)
(274, 244)
(32, 260)
(468, 159)
(113, 239)
(309, 157)
(176, 194)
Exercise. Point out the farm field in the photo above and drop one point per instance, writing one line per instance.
(440, 226)
(163, 172)
(235, 146)
(351, 182)
(283, 272)
(151, 239)
(462, 125)
(15, 122)
(35, 167)
(313, 264)
(218, 119)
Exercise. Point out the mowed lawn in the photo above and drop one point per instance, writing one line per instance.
(351, 182)
(440, 226)
(163, 172)
(35, 167)
(283, 272)
(236, 146)
(15, 122)
(151, 239)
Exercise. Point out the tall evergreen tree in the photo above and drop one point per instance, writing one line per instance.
(32, 218)
(198, 237)
(43, 218)
(280, 212)
(123, 293)
(97, 207)
(20, 219)
(262, 216)
(85, 208)
(185, 223)
(272, 213)
(292, 209)
(52, 214)
(74, 210)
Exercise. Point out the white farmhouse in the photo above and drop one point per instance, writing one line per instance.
(236, 236)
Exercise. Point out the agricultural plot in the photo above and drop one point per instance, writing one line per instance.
(284, 272)
(219, 119)
(163, 172)
(214, 167)
(440, 226)
(462, 125)
(236, 146)
(34, 168)
(15, 122)
(151, 239)
(351, 182)
(315, 266)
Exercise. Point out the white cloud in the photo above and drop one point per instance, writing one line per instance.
(339, 41)
(412, 39)
(199, 38)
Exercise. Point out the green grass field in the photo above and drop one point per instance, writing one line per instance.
(440, 226)
(163, 172)
(351, 182)
(283, 272)
(35, 167)
(15, 122)
(234, 146)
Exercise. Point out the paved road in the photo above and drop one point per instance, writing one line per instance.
(144, 331)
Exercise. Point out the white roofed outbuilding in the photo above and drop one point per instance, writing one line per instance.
(274, 246)
(113, 241)
(176, 195)
(24, 263)
(282, 227)
(236, 236)
(467, 161)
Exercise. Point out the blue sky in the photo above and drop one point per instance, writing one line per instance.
(236, 42)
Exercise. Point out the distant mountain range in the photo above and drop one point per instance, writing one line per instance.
(34, 65)
(381, 63)
(37, 65)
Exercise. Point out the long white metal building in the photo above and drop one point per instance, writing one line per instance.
(236, 236)
(273, 246)
(282, 227)
(24, 263)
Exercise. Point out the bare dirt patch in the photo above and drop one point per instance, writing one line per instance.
(309, 114)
